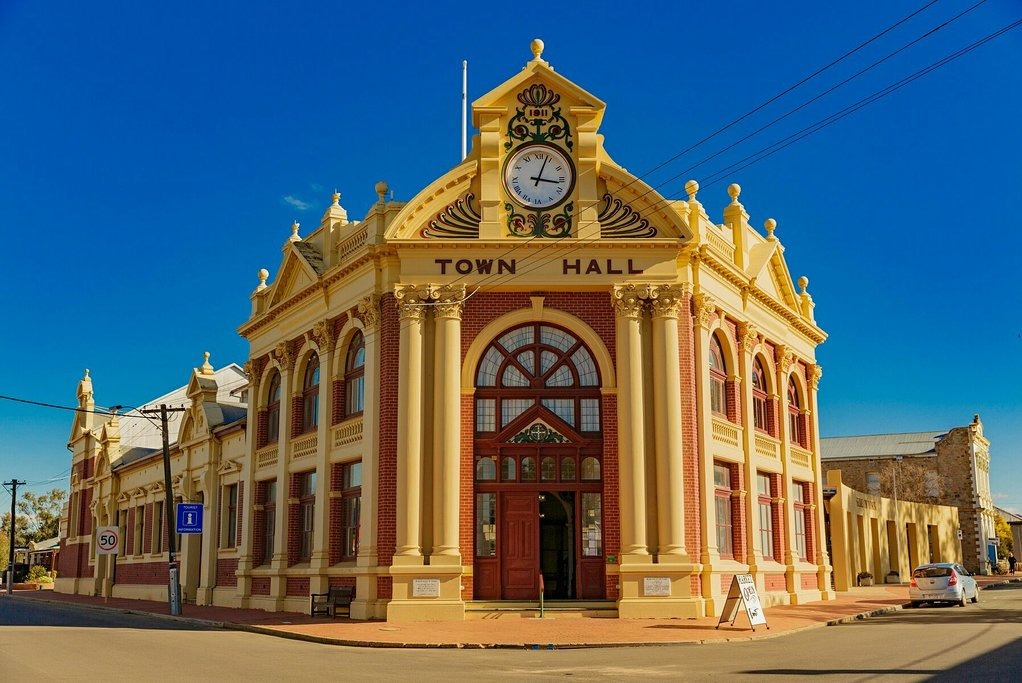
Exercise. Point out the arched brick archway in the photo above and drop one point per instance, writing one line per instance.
(538, 472)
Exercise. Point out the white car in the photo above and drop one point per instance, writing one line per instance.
(942, 582)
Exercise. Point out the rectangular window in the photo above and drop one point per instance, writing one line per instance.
(158, 528)
(269, 520)
(351, 509)
(794, 430)
(722, 509)
(486, 414)
(590, 414)
(592, 525)
(766, 516)
(139, 526)
(486, 525)
(230, 517)
(355, 399)
(798, 496)
(717, 402)
(306, 512)
(759, 412)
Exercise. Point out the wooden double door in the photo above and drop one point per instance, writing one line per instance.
(539, 545)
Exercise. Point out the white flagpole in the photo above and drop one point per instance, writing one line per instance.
(464, 108)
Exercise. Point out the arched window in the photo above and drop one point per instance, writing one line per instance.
(796, 434)
(718, 376)
(310, 394)
(273, 410)
(354, 376)
(759, 397)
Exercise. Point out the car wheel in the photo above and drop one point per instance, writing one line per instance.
(975, 597)
(961, 603)
(915, 604)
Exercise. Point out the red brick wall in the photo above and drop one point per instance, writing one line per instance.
(143, 573)
(386, 510)
(297, 402)
(334, 535)
(297, 586)
(690, 435)
(260, 585)
(293, 520)
(774, 582)
(262, 431)
(738, 520)
(337, 391)
(611, 491)
(466, 510)
(225, 568)
(259, 526)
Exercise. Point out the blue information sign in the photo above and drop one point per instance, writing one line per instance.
(189, 518)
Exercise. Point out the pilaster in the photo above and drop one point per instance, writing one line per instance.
(411, 314)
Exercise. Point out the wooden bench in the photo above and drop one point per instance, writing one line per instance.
(337, 598)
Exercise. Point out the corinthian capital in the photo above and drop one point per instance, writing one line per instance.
(815, 373)
(704, 308)
(748, 336)
(369, 311)
(323, 334)
(284, 357)
(665, 300)
(450, 300)
(628, 300)
(411, 300)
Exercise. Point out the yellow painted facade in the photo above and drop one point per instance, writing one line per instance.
(681, 436)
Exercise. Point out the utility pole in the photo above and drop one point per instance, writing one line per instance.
(14, 499)
(174, 587)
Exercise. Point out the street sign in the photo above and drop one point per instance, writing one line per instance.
(189, 518)
(743, 593)
(108, 540)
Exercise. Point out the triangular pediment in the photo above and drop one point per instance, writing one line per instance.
(228, 466)
(769, 272)
(296, 274)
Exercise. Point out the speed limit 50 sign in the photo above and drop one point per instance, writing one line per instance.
(108, 540)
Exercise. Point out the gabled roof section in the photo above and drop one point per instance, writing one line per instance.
(769, 271)
(880, 445)
(302, 266)
(540, 72)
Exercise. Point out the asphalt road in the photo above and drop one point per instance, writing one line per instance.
(47, 642)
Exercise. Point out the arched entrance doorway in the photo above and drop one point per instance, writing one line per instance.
(538, 468)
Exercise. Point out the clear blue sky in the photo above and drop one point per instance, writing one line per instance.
(153, 157)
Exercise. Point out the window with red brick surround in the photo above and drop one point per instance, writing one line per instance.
(351, 509)
(718, 378)
(796, 424)
(722, 508)
(759, 397)
(273, 409)
(354, 376)
(798, 495)
(306, 514)
(310, 394)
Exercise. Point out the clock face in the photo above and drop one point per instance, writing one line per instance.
(539, 176)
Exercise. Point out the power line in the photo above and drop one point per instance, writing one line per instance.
(109, 412)
(551, 254)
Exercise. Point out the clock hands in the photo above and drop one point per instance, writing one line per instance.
(545, 180)
(539, 176)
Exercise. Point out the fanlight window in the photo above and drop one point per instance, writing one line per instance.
(718, 376)
(537, 363)
(354, 376)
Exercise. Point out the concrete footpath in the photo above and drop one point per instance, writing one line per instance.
(512, 630)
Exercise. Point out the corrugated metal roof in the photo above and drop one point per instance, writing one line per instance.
(880, 445)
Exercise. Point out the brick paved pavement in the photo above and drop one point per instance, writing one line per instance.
(511, 630)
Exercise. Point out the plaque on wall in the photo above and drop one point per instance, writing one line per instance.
(425, 588)
(656, 586)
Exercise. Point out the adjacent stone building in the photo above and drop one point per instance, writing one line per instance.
(538, 373)
(949, 468)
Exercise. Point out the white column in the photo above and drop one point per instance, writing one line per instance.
(409, 423)
(324, 336)
(667, 420)
(447, 422)
(631, 443)
(746, 347)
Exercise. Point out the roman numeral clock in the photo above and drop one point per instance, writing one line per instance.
(538, 177)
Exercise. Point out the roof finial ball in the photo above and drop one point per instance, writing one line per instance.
(770, 224)
(734, 189)
(263, 274)
(337, 198)
(381, 189)
(803, 283)
(537, 49)
(692, 187)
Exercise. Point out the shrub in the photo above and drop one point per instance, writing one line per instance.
(38, 574)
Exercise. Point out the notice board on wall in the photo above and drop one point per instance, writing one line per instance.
(743, 594)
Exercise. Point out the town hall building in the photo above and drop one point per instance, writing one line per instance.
(538, 374)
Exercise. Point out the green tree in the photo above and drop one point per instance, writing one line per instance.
(1003, 532)
(19, 530)
(41, 514)
(5, 550)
